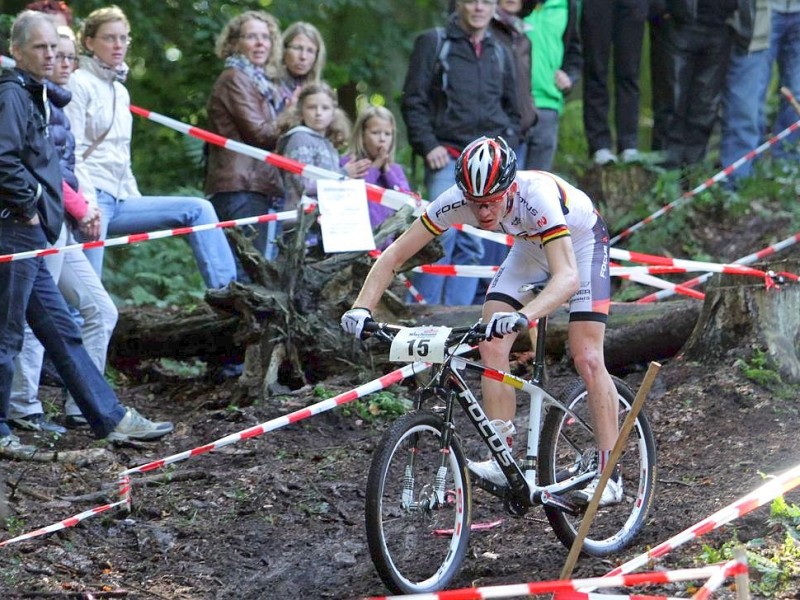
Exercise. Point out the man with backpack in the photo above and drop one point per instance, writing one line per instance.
(460, 85)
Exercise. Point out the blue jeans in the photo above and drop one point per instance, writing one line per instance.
(784, 47)
(543, 140)
(459, 249)
(741, 130)
(239, 205)
(27, 291)
(151, 213)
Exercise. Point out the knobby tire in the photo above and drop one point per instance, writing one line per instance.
(567, 447)
(417, 544)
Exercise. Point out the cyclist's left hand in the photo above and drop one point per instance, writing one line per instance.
(353, 321)
(503, 323)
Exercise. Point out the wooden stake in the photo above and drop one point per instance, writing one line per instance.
(616, 452)
(742, 579)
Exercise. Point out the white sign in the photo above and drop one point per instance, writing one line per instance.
(344, 216)
(426, 344)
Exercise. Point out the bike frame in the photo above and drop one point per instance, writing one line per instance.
(524, 490)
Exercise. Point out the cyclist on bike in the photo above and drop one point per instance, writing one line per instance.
(561, 242)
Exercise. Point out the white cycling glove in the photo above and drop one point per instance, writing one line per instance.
(353, 321)
(503, 323)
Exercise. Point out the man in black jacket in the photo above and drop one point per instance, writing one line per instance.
(31, 215)
(460, 85)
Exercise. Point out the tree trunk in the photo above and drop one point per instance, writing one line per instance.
(636, 333)
(741, 317)
(615, 190)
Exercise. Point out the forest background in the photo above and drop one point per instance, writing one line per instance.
(173, 68)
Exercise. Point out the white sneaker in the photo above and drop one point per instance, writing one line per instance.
(630, 156)
(604, 156)
(612, 493)
(10, 445)
(489, 470)
(134, 426)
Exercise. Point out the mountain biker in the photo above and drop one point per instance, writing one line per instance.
(561, 241)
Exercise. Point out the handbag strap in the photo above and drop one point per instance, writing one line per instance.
(99, 140)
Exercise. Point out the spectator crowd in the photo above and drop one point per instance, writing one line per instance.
(495, 68)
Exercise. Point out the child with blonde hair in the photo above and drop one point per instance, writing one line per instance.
(312, 132)
(371, 154)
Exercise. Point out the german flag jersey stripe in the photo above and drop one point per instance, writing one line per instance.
(430, 225)
(555, 233)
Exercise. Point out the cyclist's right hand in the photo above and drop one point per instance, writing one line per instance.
(353, 321)
(503, 323)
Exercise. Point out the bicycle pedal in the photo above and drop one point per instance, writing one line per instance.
(560, 503)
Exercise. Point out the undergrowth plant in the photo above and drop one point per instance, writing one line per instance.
(385, 404)
(773, 561)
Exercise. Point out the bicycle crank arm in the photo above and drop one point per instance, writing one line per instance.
(559, 502)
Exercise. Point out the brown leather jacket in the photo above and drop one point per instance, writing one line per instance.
(237, 110)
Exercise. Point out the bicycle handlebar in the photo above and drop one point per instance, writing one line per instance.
(469, 334)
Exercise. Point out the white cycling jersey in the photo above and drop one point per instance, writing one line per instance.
(545, 208)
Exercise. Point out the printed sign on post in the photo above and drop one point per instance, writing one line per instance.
(344, 216)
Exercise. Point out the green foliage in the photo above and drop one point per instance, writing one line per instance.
(759, 369)
(160, 272)
(787, 515)
(182, 368)
(381, 405)
(776, 561)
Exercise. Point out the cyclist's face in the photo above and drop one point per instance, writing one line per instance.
(490, 213)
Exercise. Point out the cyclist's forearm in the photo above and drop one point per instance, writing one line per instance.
(557, 291)
(376, 283)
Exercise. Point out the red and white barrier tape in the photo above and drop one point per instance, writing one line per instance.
(598, 596)
(70, 522)
(766, 493)
(373, 386)
(723, 174)
(391, 198)
(565, 585)
(153, 235)
(730, 569)
(745, 260)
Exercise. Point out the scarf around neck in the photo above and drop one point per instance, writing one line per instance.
(103, 70)
(256, 74)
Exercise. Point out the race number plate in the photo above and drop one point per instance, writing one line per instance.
(414, 344)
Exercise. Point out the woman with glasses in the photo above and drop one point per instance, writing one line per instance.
(243, 106)
(101, 122)
(303, 59)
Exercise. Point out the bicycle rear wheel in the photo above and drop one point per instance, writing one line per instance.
(418, 506)
(568, 448)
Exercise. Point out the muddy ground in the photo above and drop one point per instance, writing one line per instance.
(281, 515)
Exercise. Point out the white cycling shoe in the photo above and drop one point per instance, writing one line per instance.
(488, 470)
(612, 493)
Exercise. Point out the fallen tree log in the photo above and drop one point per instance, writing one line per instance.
(637, 333)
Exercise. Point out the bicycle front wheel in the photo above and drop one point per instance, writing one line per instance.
(568, 448)
(418, 507)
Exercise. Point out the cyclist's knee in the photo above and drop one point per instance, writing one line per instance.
(494, 353)
(589, 364)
